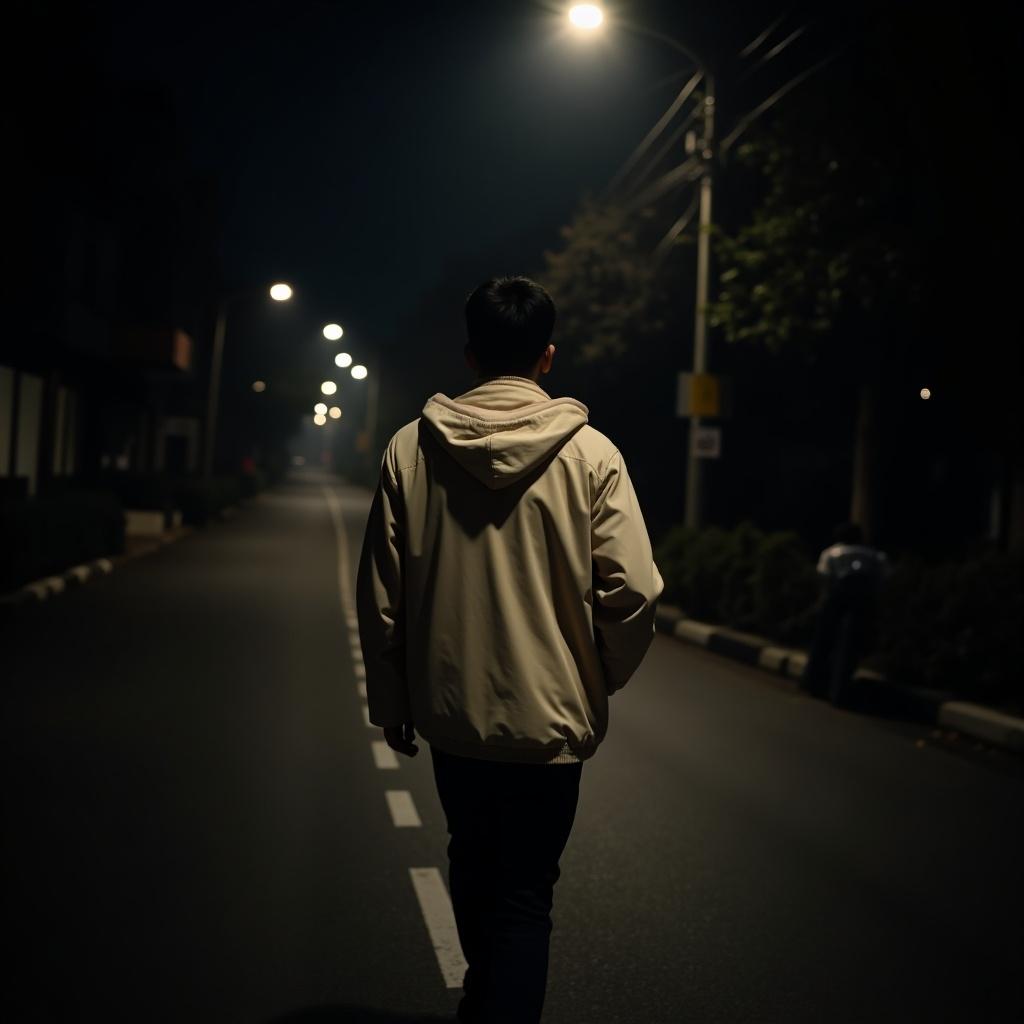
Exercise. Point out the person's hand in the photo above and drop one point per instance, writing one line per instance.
(400, 738)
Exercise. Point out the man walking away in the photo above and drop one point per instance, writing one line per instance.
(506, 589)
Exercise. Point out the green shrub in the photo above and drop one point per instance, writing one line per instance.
(742, 578)
(956, 626)
(46, 535)
(785, 589)
(200, 500)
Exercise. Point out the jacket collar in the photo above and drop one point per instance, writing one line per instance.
(528, 386)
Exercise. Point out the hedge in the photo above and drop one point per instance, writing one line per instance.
(954, 626)
(42, 536)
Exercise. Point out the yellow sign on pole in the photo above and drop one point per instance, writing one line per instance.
(698, 394)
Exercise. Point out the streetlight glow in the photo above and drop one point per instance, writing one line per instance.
(359, 372)
(926, 393)
(328, 387)
(320, 409)
(280, 292)
(335, 412)
(586, 16)
(319, 419)
(332, 332)
(343, 359)
(258, 386)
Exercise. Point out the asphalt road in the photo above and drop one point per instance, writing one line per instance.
(196, 829)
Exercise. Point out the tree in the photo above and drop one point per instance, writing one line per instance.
(825, 256)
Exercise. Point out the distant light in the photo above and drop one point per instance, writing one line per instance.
(586, 15)
(359, 372)
(320, 409)
(925, 393)
(280, 292)
(334, 412)
(259, 385)
(328, 387)
(332, 332)
(342, 359)
(298, 460)
(319, 419)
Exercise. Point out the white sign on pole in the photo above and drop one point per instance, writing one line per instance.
(707, 442)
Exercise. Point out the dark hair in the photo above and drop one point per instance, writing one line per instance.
(509, 321)
(848, 533)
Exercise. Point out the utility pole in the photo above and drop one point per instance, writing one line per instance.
(214, 387)
(700, 327)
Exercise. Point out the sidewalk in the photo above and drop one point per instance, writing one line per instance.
(50, 586)
(874, 692)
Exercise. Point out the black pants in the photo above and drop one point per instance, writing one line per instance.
(509, 824)
(842, 632)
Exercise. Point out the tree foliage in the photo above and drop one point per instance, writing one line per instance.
(825, 254)
(609, 292)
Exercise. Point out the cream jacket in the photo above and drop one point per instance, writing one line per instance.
(506, 584)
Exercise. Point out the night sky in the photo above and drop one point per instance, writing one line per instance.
(360, 147)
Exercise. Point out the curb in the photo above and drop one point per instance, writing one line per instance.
(50, 586)
(931, 706)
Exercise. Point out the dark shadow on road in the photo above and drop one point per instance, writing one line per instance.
(357, 1015)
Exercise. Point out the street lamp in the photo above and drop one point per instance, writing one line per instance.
(334, 412)
(279, 292)
(359, 372)
(343, 359)
(587, 17)
(259, 386)
(328, 387)
(332, 332)
(320, 409)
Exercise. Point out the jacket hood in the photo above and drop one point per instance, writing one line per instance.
(503, 428)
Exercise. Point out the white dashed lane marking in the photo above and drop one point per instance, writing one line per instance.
(436, 906)
(403, 810)
(383, 755)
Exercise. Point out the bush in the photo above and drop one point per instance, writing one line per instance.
(200, 500)
(742, 578)
(953, 626)
(46, 535)
(956, 626)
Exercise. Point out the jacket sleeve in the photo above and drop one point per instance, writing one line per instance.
(627, 583)
(380, 603)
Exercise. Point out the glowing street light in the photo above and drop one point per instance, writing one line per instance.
(926, 393)
(332, 332)
(259, 385)
(328, 387)
(586, 16)
(359, 372)
(335, 412)
(279, 292)
(320, 409)
(319, 419)
(343, 359)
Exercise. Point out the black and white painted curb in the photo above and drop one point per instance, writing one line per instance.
(983, 723)
(50, 586)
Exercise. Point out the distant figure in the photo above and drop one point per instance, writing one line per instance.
(506, 589)
(852, 573)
